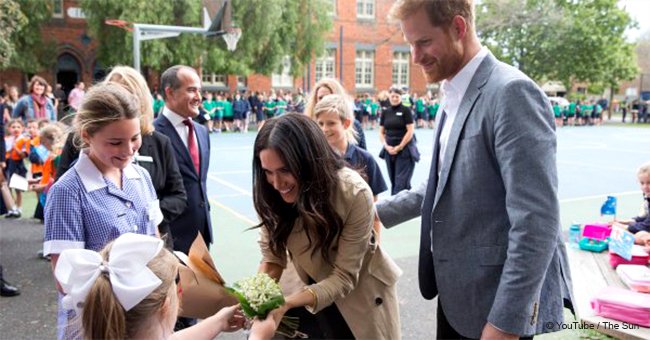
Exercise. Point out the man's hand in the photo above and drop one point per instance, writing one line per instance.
(490, 332)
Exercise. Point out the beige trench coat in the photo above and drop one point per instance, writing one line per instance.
(362, 280)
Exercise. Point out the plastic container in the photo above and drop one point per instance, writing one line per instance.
(595, 237)
(639, 257)
(624, 305)
(574, 236)
(634, 276)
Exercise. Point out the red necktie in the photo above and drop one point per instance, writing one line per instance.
(191, 145)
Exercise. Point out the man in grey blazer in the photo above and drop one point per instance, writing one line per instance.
(490, 245)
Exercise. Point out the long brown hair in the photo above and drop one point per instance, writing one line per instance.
(103, 316)
(307, 155)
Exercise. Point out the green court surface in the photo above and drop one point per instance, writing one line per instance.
(593, 162)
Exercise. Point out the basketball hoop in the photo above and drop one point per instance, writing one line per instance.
(119, 23)
(232, 37)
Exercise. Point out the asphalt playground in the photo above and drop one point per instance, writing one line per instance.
(593, 162)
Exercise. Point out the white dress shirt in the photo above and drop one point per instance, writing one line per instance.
(453, 92)
(177, 123)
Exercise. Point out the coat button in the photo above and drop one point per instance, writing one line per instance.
(202, 205)
(378, 301)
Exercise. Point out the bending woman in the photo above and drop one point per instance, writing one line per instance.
(321, 214)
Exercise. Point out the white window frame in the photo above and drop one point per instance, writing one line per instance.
(325, 66)
(333, 8)
(58, 15)
(366, 9)
(401, 70)
(242, 82)
(214, 79)
(284, 79)
(364, 69)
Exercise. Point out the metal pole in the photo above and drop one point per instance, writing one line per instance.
(136, 47)
(640, 85)
(308, 79)
(341, 54)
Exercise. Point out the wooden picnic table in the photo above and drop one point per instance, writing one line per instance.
(591, 272)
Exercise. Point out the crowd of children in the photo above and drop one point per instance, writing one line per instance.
(237, 111)
(37, 146)
(27, 153)
(579, 113)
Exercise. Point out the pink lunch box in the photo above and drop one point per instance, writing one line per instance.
(634, 276)
(639, 256)
(624, 305)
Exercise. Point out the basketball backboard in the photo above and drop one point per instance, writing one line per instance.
(217, 16)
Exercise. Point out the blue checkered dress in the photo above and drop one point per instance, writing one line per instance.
(85, 210)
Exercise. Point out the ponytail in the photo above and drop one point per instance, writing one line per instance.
(103, 315)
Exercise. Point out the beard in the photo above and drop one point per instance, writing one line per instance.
(444, 67)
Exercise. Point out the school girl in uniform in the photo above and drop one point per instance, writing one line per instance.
(104, 194)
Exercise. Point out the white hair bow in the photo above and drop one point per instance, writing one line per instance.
(131, 279)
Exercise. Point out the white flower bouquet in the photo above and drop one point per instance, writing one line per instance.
(260, 294)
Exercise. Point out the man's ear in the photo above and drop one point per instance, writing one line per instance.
(169, 93)
(459, 27)
(346, 123)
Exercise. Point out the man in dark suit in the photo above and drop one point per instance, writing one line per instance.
(181, 87)
(490, 244)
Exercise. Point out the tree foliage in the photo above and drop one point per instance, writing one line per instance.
(21, 41)
(567, 40)
(11, 20)
(271, 29)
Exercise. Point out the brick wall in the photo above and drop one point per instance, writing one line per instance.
(375, 33)
(72, 37)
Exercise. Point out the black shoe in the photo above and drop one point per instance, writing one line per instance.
(8, 290)
(13, 214)
(40, 256)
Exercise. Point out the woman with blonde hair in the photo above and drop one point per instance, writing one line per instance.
(321, 89)
(10, 101)
(155, 154)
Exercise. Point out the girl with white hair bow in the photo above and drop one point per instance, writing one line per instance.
(130, 290)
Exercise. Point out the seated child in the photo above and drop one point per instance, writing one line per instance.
(131, 290)
(334, 116)
(641, 222)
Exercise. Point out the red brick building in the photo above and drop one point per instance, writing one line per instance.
(363, 50)
(75, 50)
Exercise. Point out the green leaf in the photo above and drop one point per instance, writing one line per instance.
(245, 306)
(270, 305)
